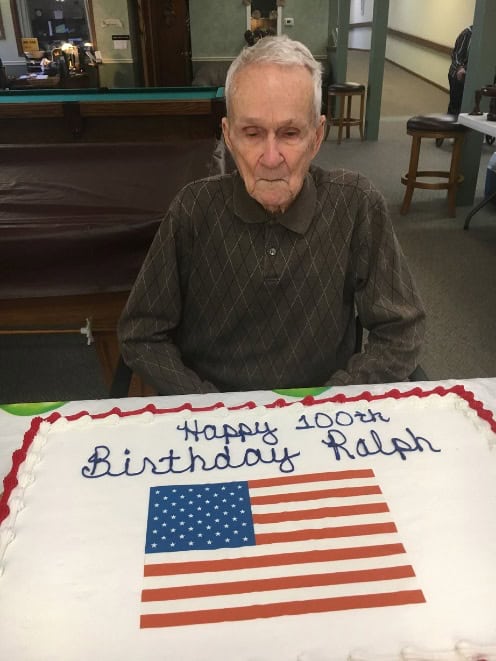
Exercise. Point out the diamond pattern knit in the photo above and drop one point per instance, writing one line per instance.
(231, 297)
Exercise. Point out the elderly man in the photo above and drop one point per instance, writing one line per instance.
(254, 278)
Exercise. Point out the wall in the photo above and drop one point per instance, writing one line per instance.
(439, 21)
(219, 36)
(118, 65)
(361, 11)
(217, 29)
(310, 24)
(8, 46)
(216, 38)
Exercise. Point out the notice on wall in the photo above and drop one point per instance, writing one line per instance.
(120, 41)
(29, 44)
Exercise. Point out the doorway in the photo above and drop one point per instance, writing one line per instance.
(165, 44)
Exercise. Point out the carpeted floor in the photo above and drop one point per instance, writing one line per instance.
(455, 270)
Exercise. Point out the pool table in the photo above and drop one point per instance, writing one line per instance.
(110, 115)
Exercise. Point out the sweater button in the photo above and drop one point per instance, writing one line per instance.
(272, 252)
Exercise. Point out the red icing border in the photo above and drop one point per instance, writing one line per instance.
(10, 481)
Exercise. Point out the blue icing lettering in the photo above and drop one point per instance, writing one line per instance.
(103, 463)
(193, 431)
(343, 448)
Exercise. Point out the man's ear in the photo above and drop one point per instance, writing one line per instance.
(320, 132)
(225, 133)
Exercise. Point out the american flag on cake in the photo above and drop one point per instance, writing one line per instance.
(270, 547)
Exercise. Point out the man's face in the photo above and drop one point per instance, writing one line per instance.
(271, 131)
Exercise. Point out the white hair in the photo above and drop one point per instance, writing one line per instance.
(284, 52)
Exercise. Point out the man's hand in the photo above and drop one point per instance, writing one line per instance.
(460, 74)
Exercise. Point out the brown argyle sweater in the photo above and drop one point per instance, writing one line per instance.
(231, 297)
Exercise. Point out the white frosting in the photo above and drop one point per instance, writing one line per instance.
(72, 547)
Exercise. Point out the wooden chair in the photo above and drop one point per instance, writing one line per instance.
(126, 384)
(439, 128)
(342, 94)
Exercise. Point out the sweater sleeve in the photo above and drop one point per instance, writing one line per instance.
(153, 312)
(386, 299)
(461, 49)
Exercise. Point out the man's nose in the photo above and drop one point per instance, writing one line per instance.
(271, 156)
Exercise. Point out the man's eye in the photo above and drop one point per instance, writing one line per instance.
(251, 133)
(291, 133)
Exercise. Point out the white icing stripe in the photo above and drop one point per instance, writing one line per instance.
(278, 596)
(205, 578)
(256, 551)
(325, 522)
(318, 486)
(339, 502)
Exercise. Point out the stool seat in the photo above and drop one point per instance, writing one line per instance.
(438, 127)
(344, 92)
(346, 87)
(434, 122)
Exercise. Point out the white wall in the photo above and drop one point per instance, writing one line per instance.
(8, 46)
(439, 21)
(361, 11)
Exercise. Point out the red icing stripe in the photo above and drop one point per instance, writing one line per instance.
(320, 513)
(276, 610)
(279, 583)
(315, 495)
(315, 477)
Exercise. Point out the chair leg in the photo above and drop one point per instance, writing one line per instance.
(107, 348)
(412, 174)
(479, 206)
(453, 176)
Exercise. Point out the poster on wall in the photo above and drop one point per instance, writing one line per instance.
(2, 31)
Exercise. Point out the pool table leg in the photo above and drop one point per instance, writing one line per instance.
(72, 118)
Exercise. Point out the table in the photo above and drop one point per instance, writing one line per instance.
(78, 80)
(480, 124)
(110, 115)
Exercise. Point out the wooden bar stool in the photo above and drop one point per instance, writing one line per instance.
(435, 127)
(344, 93)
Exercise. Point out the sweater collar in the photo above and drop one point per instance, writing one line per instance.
(297, 217)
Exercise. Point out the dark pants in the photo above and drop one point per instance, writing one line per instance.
(456, 94)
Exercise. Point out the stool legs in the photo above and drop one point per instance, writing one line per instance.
(348, 117)
(451, 178)
(342, 117)
(412, 174)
